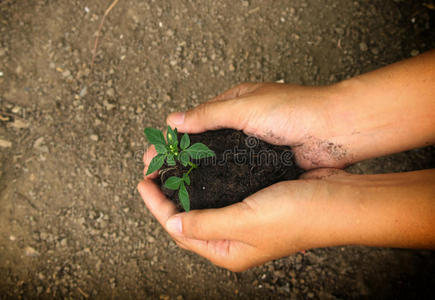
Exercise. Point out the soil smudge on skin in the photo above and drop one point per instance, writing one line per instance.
(322, 152)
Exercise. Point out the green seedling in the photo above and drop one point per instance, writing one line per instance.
(171, 151)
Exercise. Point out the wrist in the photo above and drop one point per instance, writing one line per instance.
(325, 215)
(360, 122)
(375, 114)
(384, 210)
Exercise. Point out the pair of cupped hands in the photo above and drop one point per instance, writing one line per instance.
(273, 222)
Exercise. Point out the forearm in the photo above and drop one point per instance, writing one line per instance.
(386, 210)
(385, 111)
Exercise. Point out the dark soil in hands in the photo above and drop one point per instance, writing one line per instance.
(243, 165)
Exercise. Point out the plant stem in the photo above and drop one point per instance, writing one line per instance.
(192, 166)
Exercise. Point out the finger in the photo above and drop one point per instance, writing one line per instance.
(225, 111)
(323, 173)
(156, 202)
(210, 116)
(237, 91)
(233, 255)
(148, 156)
(212, 224)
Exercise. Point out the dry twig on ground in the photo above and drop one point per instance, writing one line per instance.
(94, 51)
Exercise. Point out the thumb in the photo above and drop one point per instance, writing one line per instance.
(225, 111)
(211, 224)
(238, 91)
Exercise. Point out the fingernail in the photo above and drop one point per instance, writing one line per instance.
(177, 118)
(173, 225)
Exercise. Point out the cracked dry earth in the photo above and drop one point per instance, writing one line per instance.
(72, 224)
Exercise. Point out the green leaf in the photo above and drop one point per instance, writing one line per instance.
(154, 136)
(161, 149)
(156, 163)
(186, 179)
(199, 150)
(185, 141)
(184, 197)
(184, 158)
(170, 160)
(173, 183)
(171, 137)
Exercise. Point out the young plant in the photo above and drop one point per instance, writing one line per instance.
(172, 151)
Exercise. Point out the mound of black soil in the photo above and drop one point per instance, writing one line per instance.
(243, 165)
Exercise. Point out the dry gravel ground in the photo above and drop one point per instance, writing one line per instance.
(71, 138)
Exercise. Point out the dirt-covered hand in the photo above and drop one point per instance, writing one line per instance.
(281, 114)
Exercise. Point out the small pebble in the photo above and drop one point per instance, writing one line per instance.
(19, 70)
(169, 32)
(66, 73)
(363, 47)
(5, 144)
(339, 31)
(108, 105)
(110, 92)
(43, 236)
(415, 52)
(38, 142)
(94, 137)
(375, 51)
(29, 251)
(16, 109)
(19, 124)
(83, 92)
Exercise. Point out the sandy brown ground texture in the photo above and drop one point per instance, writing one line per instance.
(72, 224)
